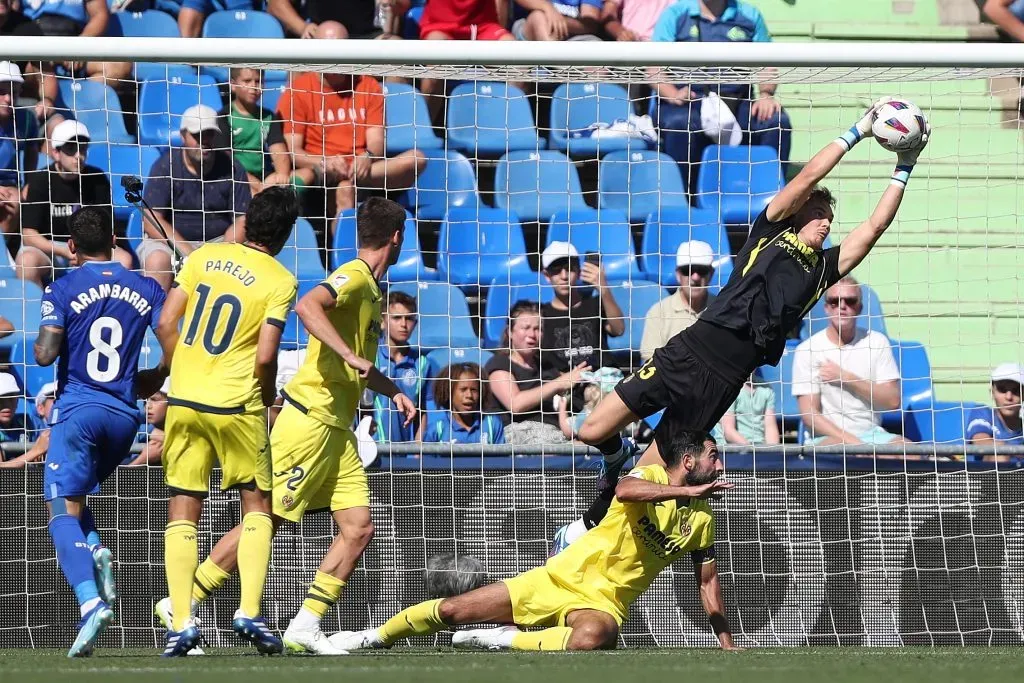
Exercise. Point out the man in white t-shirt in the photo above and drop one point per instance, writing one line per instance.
(844, 376)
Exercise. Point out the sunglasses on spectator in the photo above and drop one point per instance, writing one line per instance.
(850, 301)
(72, 148)
(699, 271)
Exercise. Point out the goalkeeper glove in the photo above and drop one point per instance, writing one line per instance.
(861, 129)
(909, 158)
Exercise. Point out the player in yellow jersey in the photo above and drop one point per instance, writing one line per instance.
(234, 298)
(582, 595)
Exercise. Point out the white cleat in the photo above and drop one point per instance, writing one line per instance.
(163, 613)
(499, 638)
(357, 640)
(310, 642)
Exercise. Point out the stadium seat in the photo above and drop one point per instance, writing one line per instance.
(97, 106)
(448, 181)
(161, 105)
(410, 266)
(438, 359)
(295, 335)
(147, 24)
(500, 299)
(411, 23)
(119, 161)
(240, 24)
(32, 375)
(871, 316)
(19, 303)
(780, 379)
(272, 91)
(738, 182)
(301, 254)
(575, 106)
(605, 232)
(488, 119)
(134, 232)
(665, 231)
(635, 299)
(443, 314)
(478, 244)
(640, 183)
(406, 120)
(940, 422)
(537, 185)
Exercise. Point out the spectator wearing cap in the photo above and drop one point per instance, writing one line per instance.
(198, 193)
(54, 194)
(13, 425)
(575, 325)
(695, 264)
(19, 135)
(40, 437)
(1000, 424)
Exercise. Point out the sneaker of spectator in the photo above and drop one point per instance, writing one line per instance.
(1002, 423)
(19, 145)
(632, 20)
(568, 20)
(694, 268)
(359, 19)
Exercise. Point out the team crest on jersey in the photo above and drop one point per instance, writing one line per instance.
(287, 500)
(46, 309)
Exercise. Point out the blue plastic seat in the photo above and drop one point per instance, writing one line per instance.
(635, 299)
(33, 376)
(665, 231)
(537, 185)
(478, 244)
(438, 359)
(19, 303)
(410, 267)
(606, 232)
(301, 254)
(295, 335)
(97, 106)
(161, 105)
(738, 182)
(500, 299)
(640, 183)
(444, 320)
(239, 24)
(780, 379)
(147, 24)
(119, 161)
(406, 120)
(575, 106)
(447, 182)
(272, 91)
(489, 119)
(871, 316)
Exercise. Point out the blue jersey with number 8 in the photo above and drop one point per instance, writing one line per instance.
(104, 310)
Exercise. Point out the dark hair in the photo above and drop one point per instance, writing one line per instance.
(377, 220)
(451, 374)
(236, 71)
(686, 442)
(521, 307)
(92, 230)
(397, 297)
(820, 193)
(271, 216)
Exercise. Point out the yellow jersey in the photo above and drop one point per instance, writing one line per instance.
(325, 387)
(232, 291)
(617, 560)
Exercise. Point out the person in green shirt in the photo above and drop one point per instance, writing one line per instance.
(751, 418)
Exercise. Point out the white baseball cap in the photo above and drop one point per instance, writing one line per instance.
(68, 130)
(49, 390)
(198, 118)
(694, 253)
(165, 388)
(10, 72)
(1008, 371)
(9, 385)
(557, 250)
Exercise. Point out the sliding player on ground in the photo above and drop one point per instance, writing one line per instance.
(94, 319)
(581, 597)
(780, 273)
(234, 299)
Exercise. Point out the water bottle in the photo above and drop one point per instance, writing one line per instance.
(382, 19)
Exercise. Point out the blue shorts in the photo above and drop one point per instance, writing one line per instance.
(85, 448)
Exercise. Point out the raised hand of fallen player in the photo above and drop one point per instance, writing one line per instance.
(405, 406)
(909, 158)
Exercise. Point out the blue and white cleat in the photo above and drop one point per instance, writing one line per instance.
(559, 543)
(90, 628)
(179, 643)
(255, 631)
(103, 568)
(608, 476)
(163, 613)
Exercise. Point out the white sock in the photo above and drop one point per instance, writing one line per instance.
(239, 614)
(89, 605)
(305, 620)
(503, 635)
(574, 531)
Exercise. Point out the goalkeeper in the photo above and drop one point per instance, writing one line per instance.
(780, 273)
(581, 596)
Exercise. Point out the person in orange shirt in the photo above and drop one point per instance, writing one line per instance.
(334, 123)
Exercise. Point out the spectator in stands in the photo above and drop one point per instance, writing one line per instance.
(579, 319)
(673, 314)
(595, 386)
(459, 396)
(18, 140)
(199, 194)
(519, 390)
(358, 19)
(547, 20)
(1008, 16)
(153, 437)
(844, 376)
(630, 20)
(192, 13)
(1000, 425)
(13, 21)
(53, 194)
(13, 425)
(750, 421)
(334, 123)
(402, 363)
(762, 120)
(40, 437)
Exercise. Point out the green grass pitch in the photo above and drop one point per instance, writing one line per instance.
(797, 665)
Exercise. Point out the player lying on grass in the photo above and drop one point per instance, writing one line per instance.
(582, 595)
(780, 273)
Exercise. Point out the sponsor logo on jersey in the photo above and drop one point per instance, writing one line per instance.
(791, 244)
(339, 281)
(654, 538)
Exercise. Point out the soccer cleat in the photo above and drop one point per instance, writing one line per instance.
(103, 568)
(90, 628)
(255, 631)
(608, 477)
(559, 544)
(180, 643)
(484, 638)
(162, 610)
(357, 640)
(310, 641)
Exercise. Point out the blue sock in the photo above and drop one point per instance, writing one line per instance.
(88, 524)
(74, 557)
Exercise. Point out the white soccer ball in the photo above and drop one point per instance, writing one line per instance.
(899, 125)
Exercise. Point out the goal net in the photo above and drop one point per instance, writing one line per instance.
(504, 155)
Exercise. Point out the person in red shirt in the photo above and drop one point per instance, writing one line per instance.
(334, 124)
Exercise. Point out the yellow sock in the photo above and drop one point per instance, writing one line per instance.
(418, 620)
(555, 638)
(323, 592)
(181, 557)
(209, 577)
(254, 559)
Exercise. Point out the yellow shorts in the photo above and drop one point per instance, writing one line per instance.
(316, 466)
(194, 440)
(539, 600)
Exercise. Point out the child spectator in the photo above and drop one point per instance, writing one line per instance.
(596, 385)
(458, 418)
(402, 363)
(750, 421)
(40, 436)
(1002, 424)
(153, 436)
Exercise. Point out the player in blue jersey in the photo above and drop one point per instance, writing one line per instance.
(94, 320)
